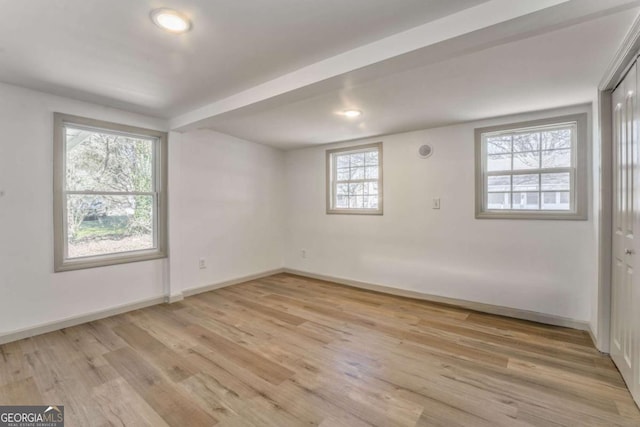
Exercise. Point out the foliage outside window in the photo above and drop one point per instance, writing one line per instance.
(354, 180)
(533, 170)
(110, 200)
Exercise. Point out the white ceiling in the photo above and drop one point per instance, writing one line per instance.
(110, 52)
(558, 68)
(277, 71)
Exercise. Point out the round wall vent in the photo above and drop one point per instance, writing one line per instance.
(425, 151)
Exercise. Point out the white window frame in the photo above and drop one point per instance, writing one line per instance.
(578, 170)
(332, 179)
(160, 250)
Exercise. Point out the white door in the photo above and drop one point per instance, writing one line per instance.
(625, 310)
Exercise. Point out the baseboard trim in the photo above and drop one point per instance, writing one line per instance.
(198, 290)
(471, 305)
(174, 298)
(516, 313)
(594, 339)
(90, 317)
(77, 320)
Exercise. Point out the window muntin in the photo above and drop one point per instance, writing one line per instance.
(354, 180)
(532, 170)
(110, 205)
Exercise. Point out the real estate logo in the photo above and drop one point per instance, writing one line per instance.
(31, 416)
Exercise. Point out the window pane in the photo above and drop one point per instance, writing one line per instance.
(528, 201)
(499, 201)
(371, 157)
(357, 173)
(526, 161)
(100, 225)
(356, 189)
(556, 181)
(342, 174)
(526, 182)
(556, 158)
(529, 168)
(499, 144)
(498, 183)
(549, 198)
(371, 188)
(498, 162)
(371, 202)
(357, 160)
(556, 200)
(371, 172)
(104, 162)
(356, 202)
(526, 142)
(555, 139)
(342, 161)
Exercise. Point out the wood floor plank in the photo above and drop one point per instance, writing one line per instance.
(129, 409)
(13, 366)
(425, 339)
(21, 392)
(65, 378)
(163, 357)
(259, 308)
(290, 351)
(173, 405)
(262, 367)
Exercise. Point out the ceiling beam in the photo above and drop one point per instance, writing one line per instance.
(487, 14)
(489, 24)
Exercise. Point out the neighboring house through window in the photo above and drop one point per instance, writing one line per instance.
(533, 170)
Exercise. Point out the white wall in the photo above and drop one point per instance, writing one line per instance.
(543, 266)
(226, 207)
(225, 196)
(241, 206)
(31, 294)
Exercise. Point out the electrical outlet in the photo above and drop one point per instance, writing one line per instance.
(303, 253)
(202, 263)
(436, 203)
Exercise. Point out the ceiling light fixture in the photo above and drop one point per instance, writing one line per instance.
(352, 113)
(171, 20)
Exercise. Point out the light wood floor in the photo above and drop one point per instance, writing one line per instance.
(288, 351)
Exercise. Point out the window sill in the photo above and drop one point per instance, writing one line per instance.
(530, 215)
(354, 212)
(107, 260)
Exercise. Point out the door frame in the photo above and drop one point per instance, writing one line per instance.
(603, 141)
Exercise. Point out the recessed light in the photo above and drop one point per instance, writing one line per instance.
(352, 113)
(171, 20)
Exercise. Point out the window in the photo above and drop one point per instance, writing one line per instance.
(533, 170)
(110, 204)
(354, 180)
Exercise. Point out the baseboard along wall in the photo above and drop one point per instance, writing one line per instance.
(77, 320)
(471, 305)
(101, 314)
(516, 313)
